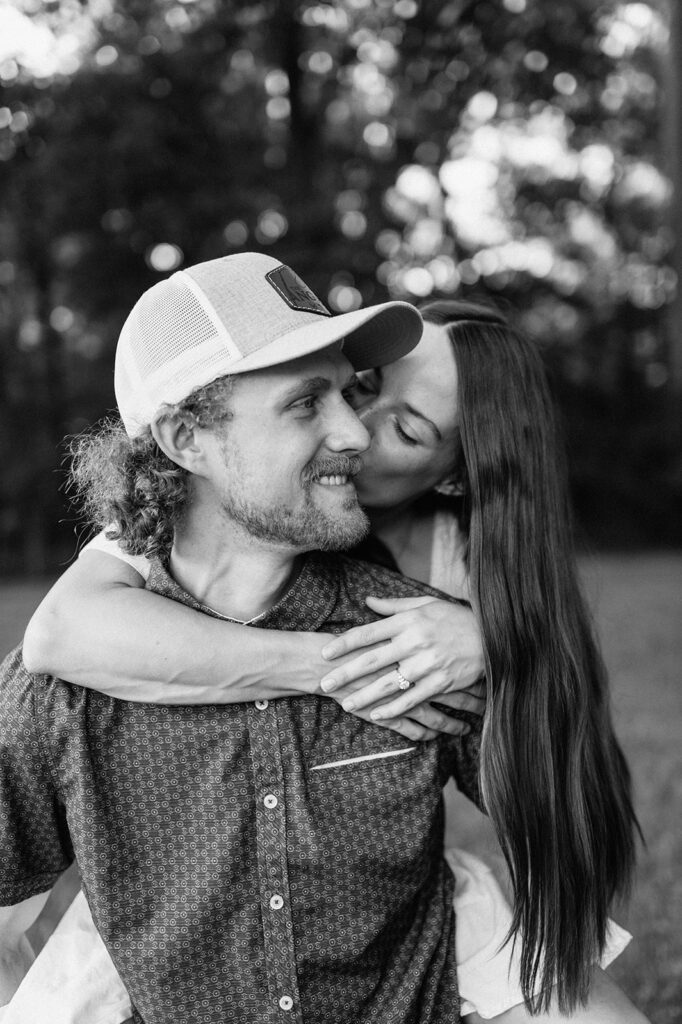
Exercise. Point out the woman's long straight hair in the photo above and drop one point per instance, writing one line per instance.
(554, 779)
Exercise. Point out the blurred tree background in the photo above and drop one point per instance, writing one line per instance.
(520, 150)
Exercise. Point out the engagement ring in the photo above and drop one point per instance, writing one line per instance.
(403, 682)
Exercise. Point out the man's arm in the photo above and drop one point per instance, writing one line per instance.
(16, 954)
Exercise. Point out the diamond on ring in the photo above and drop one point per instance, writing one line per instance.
(403, 682)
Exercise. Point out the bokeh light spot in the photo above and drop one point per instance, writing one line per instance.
(535, 60)
(164, 257)
(418, 281)
(61, 319)
(236, 233)
(419, 184)
(405, 9)
(565, 83)
(344, 298)
(277, 83)
(482, 106)
(320, 62)
(353, 224)
(278, 108)
(271, 226)
(377, 135)
(106, 56)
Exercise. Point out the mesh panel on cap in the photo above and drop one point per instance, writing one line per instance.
(246, 301)
(167, 322)
(130, 403)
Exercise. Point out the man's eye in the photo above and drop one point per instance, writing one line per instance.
(309, 402)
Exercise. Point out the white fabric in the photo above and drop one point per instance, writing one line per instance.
(487, 972)
(72, 980)
(101, 542)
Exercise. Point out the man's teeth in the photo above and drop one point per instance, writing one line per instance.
(333, 481)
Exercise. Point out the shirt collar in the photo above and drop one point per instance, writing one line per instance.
(307, 604)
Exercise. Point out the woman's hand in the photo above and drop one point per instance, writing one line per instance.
(435, 644)
(422, 722)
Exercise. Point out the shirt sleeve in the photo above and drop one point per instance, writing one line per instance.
(35, 846)
(103, 543)
(465, 759)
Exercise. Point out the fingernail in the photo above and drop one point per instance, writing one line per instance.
(328, 684)
(377, 714)
(348, 705)
(330, 651)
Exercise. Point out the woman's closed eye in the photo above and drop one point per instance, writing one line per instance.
(403, 435)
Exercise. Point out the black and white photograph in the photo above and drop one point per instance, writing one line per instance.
(340, 512)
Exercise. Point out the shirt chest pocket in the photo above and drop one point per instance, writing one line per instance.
(384, 804)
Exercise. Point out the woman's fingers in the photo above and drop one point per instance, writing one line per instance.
(367, 695)
(413, 730)
(375, 632)
(432, 718)
(359, 636)
(472, 699)
(380, 657)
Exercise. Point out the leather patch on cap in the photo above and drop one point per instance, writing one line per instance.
(295, 292)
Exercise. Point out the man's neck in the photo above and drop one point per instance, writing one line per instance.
(227, 570)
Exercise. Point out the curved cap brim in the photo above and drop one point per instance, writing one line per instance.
(371, 337)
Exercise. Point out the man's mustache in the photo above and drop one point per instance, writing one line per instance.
(342, 465)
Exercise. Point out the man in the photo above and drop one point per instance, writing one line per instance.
(263, 862)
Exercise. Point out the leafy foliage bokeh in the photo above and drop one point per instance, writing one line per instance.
(500, 148)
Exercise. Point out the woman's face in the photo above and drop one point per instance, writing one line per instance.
(410, 411)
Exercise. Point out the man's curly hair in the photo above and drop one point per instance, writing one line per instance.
(129, 485)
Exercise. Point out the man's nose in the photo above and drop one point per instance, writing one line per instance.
(347, 433)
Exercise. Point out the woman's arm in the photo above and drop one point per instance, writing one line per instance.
(98, 627)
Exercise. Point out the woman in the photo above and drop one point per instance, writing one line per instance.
(497, 530)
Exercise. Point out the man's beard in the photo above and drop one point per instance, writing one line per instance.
(310, 527)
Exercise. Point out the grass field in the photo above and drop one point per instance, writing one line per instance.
(637, 602)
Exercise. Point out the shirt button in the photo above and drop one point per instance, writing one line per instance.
(276, 902)
(270, 800)
(286, 1003)
(262, 704)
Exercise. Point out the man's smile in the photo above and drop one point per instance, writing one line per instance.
(333, 481)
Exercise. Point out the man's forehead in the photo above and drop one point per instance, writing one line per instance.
(328, 362)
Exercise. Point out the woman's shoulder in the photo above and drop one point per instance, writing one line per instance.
(109, 546)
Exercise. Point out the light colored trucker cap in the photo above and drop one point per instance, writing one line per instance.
(233, 315)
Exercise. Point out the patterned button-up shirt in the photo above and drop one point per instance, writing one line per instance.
(257, 863)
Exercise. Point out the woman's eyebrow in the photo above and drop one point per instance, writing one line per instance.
(415, 412)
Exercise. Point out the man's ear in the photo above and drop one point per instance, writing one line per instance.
(176, 436)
